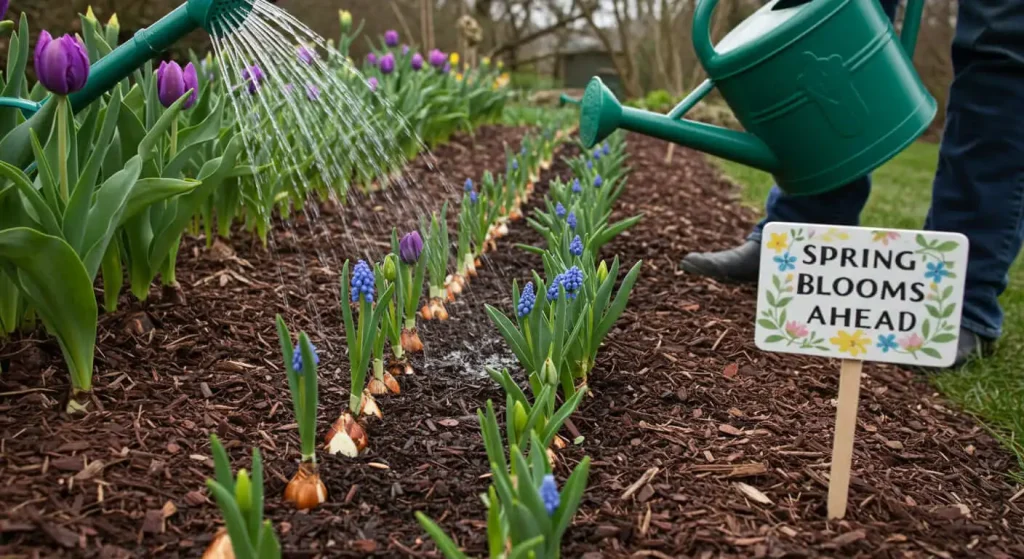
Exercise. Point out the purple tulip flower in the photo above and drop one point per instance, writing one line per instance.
(372, 82)
(172, 82)
(254, 76)
(405, 50)
(3, 8)
(387, 63)
(371, 59)
(437, 58)
(391, 38)
(410, 247)
(447, 67)
(312, 91)
(417, 61)
(61, 64)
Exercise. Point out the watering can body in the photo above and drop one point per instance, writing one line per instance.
(824, 88)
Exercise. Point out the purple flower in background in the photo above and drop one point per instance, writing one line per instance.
(405, 50)
(571, 220)
(3, 8)
(590, 164)
(576, 246)
(560, 210)
(473, 197)
(597, 154)
(391, 38)
(417, 61)
(61, 64)
(387, 63)
(549, 494)
(607, 150)
(254, 76)
(371, 59)
(447, 67)
(312, 91)
(363, 282)
(527, 299)
(468, 186)
(410, 247)
(288, 88)
(372, 82)
(598, 181)
(297, 358)
(437, 58)
(307, 55)
(576, 188)
(515, 164)
(172, 82)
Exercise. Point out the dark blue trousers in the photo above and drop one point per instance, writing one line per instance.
(978, 188)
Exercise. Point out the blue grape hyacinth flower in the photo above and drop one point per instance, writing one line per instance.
(473, 197)
(598, 181)
(576, 188)
(571, 280)
(576, 246)
(527, 299)
(549, 494)
(571, 220)
(297, 358)
(560, 210)
(606, 149)
(362, 282)
(468, 186)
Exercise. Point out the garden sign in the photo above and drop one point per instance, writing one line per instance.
(859, 294)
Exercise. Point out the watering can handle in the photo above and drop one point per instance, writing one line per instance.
(709, 57)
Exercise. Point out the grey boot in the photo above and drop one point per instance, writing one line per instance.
(970, 346)
(736, 265)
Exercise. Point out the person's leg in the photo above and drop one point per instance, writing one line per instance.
(838, 207)
(979, 185)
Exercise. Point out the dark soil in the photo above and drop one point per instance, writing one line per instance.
(683, 403)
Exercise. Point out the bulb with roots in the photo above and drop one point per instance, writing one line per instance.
(346, 436)
(434, 310)
(384, 385)
(411, 340)
(306, 490)
(400, 367)
(454, 284)
(220, 547)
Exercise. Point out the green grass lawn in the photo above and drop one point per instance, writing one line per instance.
(992, 389)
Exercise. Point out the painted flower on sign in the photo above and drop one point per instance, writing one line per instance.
(887, 342)
(778, 242)
(785, 262)
(796, 329)
(912, 342)
(855, 344)
(937, 271)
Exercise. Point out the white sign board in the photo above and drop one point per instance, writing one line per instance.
(882, 295)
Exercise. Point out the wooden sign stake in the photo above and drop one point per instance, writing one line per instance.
(842, 445)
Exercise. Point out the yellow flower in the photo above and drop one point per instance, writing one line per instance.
(501, 64)
(89, 14)
(486, 61)
(778, 242)
(789, 278)
(113, 22)
(454, 58)
(854, 344)
(833, 234)
(458, 77)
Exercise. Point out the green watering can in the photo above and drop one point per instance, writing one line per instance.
(824, 89)
(217, 17)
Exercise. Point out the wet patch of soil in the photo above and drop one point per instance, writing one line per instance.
(687, 416)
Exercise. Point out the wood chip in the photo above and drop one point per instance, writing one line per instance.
(848, 538)
(92, 470)
(731, 370)
(730, 430)
(378, 466)
(752, 493)
(644, 479)
(205, 389)
(448, 422)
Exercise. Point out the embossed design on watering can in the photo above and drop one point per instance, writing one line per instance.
(829, 85)
(824, 91)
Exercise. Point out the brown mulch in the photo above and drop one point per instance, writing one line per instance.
(683, 403)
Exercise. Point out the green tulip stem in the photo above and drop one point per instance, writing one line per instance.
(62, 145)
(174, 138)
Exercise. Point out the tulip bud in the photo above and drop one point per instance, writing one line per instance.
(114, 23)
(602, 272)
(549, 374)
(345, 17)
(90, 15)
(390, 267)
(520, 417)
(243, 491)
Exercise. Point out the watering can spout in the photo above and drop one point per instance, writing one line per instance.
(601, 114)
(216, 17)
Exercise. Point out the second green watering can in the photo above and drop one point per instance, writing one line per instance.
(825, 90)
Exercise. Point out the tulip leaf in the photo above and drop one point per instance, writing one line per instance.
(47, 179)
(106, 214)
(77, 212)
(233, 520)
(221, 464)
(205, 131)
(571, 495)
(525, 549)
(130, 130)
(530, 497)
(443, 542)
(619, 304)
(17, 59)
(555, 421)
(113, 275)
(256, 506)
(161, 127)
(268, 546)
(53, 280)
(43, 214)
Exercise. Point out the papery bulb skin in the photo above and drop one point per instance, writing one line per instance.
(368, 406)
(346, 436)
(376, 387)
(411, 340)
(220, 547)
(306, 490)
